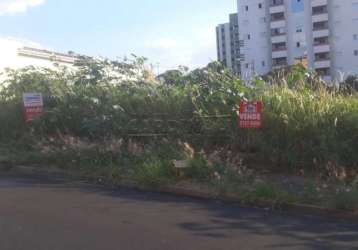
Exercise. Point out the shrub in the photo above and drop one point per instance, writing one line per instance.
(265, 191)
(303, 125)
(154, 172)
(199, 169)
(350, 85)
(345, 199)
(305, 122)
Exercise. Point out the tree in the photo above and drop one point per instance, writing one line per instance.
(350, 84)
(172, 77)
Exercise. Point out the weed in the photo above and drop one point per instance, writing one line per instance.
(199, 169)
(310, 193)
(266, 191)
(345, 199)
(154, 172)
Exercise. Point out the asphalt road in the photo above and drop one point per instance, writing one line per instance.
(40, 214)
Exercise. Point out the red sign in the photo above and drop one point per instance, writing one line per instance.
(32, 113)
(33, 104)
(250, 115)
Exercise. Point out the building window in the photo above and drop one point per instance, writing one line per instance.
(263, 63)
(355, 37)
(356, 52)
(298, 44)
(247, 8)
(260, 5)
(248, 37)
(247, 65)
(299, 28)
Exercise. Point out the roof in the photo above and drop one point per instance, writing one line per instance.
(47, 55)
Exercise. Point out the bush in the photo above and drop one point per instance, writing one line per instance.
(305, 123)
(350, 85)
(154, 172)
(301, 126)
(264, 191)
(199, 169)
(346, 200)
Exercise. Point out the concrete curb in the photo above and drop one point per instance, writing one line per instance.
(294, 209)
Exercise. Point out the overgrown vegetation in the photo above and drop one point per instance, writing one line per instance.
(116, 120)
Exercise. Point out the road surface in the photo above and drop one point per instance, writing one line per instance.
(44, 214)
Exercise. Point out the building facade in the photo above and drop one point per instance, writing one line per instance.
(228, 43)
(16, 54)
(278, 33)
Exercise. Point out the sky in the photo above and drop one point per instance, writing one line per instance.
(168, 32)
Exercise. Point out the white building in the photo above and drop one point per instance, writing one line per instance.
(228, 44)
(17, 54)
(277, 33)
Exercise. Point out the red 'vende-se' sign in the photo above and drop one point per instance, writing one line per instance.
(33, 104)
(250, 115)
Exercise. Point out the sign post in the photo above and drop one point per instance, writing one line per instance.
(33, 104)
(250, 115)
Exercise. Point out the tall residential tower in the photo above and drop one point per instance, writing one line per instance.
(278, 33)
(228, 45)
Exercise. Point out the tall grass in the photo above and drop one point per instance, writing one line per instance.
(304, 126)
(305, 123)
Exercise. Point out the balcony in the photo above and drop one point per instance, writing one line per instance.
(322, 60)
(316, 3)
(278, 32)
(279, 66)
(278, 24)
(321, 33)
(318, 10)
(278, 35)
(277, 9)
(321, 48)
(279, 39)
(277, 17)
(321, 25)
(274, 3)
(321, 64)
(279, 53)
(279, 50)
(320, 18)
(321, 41)
(325, 73)
(320, 29)
(279, 63)
(279, 46)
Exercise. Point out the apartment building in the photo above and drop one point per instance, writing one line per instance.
(17, 54)
(278, 33)
(228, 45)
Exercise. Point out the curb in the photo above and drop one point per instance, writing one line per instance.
(293, 209)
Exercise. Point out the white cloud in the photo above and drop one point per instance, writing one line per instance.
(17, 6)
